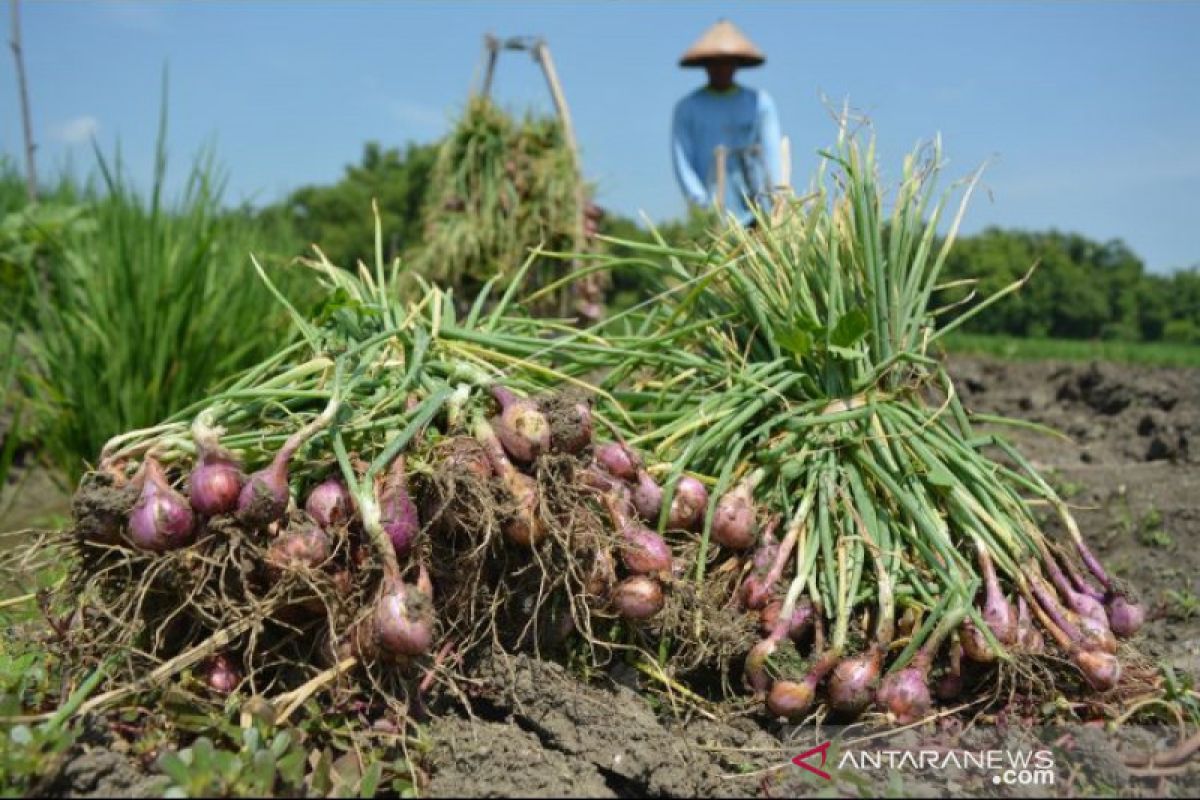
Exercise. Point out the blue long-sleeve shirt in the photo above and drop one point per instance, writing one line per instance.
(742, 119)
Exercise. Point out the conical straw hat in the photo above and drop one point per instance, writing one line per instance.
(723, 40)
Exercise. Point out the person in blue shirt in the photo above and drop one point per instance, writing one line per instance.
(723, 113)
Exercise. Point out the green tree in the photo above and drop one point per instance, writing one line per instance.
(338, 217)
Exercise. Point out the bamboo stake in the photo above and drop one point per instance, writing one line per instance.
(27, 128)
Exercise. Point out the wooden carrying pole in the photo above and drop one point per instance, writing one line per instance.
(23, 91)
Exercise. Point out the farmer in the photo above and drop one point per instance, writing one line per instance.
(724, 114)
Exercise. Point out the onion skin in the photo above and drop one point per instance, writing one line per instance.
(329, 503)
(733, 519)
(1125, 618)
(161, 519)
(215, 484)
(688, 505)
(521, 427)
(638, 597)
(852, 685)
(404, 620)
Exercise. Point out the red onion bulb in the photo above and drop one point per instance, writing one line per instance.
(161, 519)
(329, 503)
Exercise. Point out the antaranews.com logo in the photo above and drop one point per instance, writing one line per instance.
(1006, 767)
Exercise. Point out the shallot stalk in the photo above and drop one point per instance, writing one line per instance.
(852, 686)
(756, 593)
(1029, 638)
(1089, 632)
(733, 524)
(216, 480)
(161, 519)
(524, 527)
(521, 427)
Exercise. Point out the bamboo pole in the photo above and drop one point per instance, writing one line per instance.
(27, 128)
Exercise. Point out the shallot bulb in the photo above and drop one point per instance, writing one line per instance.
(618, 460)
(733, 518)
(522, 428)
(220, 674)
(801, 621)
(524, 526)
(404, 619)
(852, 685)
(1029, 638)
(647, 497)
(1124, 616)
(638, 597)
(997, 612)
(1101, 670)
(974, 645)
(215, 483)
(644, 552)
(790, 699)
(307, 547)
(905, 694)
(264, 497)
(329, 503)
(161, 519)
(688, 505)
(397, 511)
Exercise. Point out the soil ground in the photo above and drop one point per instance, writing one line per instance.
(1131, 469)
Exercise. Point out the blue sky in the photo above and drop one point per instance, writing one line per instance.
(1090, 111)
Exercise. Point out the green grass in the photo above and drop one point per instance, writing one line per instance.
(143, 307)
(1033, 349)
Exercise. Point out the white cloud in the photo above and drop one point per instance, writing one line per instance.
(75, 131)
